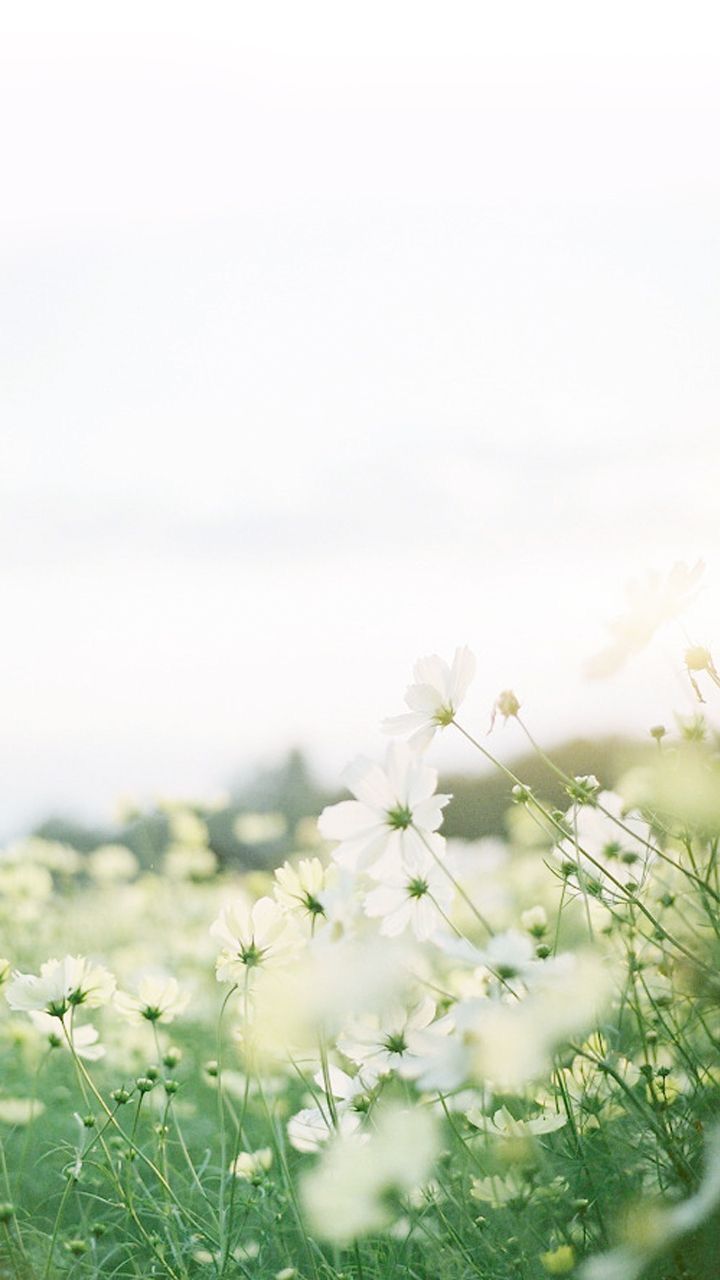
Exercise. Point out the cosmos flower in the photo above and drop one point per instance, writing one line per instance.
(434, 697)
(158, 999)
(394, 812)
(381, 1044)
(311, 1127)
(252, 937)
(414, 893)
(85, 1039)
(300, 888)
(61, 985)
(650, 603)
(358, 1185)
(251, 1165)
(618, 841)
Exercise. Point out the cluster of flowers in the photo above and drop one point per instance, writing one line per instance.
(389, 980)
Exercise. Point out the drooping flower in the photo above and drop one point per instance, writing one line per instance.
(61, 985)
(395, 810)
(434, 697)
(85, 1039)
(158, 999)
(300, 889)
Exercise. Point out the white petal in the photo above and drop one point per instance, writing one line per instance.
(435, 671)
(366, 779)
(346, 820)
(461, 675)
(425, 698)
(405, 723)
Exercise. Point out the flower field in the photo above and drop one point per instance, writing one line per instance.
(397, 1055)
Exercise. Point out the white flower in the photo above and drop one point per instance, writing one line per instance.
(434, 697)
(158, 999)
(416, 892)
(16, 1111)
(382, 1044)
(300, 888)
(111, 863)
(497, 1191)
(506, 1126)
(651, 603)
(395, 809)
(600, 835)
(61, 985)
(84, 1039)
(187, 862)
(441, 1057)
(511, 955)
(309, 1128)
(252, 1164)
(253, 936)
(351, 1191)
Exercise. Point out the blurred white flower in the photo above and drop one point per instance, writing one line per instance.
(309, 1128)
(498, 1191)
(259, 828)
(20, 1111)
(434, 697)
(189, 862)
(61, 985)
(650, 603)
(441, 1058)
(503, 1124)
(112, 863)
(187, 827)
(622, 852)
(511, 955)
(395, 809)
(382, 1044)
(252, 1164)
(653, 1228)
(85, 1039)
(159, 999)
(360, 1181)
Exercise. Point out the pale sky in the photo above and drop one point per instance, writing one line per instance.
(332, 335)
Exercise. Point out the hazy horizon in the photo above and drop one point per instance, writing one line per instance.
(328, 346)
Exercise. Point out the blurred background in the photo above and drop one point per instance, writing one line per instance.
(333, 335)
